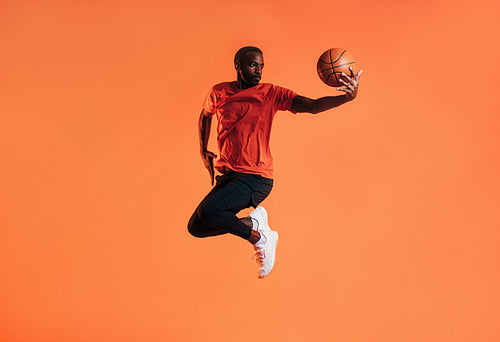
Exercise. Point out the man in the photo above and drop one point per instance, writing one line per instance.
(245, 110)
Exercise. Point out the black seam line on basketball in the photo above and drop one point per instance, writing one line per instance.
(331, 63)
(330, 68)
(336, 78)
(337, 57)
(330, 53)
(338, 66)
(334, 75)
(341, 65)
(326, 81)
(322, 61)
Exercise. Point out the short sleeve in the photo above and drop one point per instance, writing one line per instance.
(210, 100)
(283, 98)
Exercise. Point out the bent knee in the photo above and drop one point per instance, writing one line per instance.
(194, 232)
(208, 214)
(195, 229)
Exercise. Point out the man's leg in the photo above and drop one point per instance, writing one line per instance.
(199, 229)
(216, 214)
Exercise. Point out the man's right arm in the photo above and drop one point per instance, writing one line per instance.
(302, 104)
(204, 125)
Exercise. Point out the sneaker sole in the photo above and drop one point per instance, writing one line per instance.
(273, 258)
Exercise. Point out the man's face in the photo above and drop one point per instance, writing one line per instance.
(250, 68)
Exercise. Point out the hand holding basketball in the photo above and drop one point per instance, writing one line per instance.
(351, 84)
(333, 68)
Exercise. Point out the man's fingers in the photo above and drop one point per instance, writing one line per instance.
(346, 90)
(352, 81)
(359, 74)
(211, 164)
(349, 85)
(354, 77)
(211, 170)
(347, 77)
(353, 74)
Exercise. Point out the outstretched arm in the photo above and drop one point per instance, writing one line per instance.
(302, 104)
(204, 125)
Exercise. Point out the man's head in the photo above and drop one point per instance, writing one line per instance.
(248, 63)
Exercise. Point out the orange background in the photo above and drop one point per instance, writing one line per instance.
(387, 207)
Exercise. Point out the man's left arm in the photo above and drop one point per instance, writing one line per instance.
(302, 104)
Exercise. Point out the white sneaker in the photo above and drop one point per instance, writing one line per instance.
(266, 252)
(260, 214)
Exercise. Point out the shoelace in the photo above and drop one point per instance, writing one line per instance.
(259, 255)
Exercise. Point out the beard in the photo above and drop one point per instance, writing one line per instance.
(252, 80)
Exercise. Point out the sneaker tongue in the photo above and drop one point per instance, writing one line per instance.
(255, 224)
(262, 240)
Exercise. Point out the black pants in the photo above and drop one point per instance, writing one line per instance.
(233, 192)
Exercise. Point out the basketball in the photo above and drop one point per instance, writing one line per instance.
(332, 63)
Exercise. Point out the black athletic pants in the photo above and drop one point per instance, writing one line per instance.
(233, 192)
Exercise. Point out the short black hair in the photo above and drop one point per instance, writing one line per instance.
(242, 52)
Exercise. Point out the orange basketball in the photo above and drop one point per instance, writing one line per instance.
(332, 63)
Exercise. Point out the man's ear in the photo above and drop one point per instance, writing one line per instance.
(237, 66)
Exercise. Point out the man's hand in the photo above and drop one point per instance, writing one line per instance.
(208, 160)
(351, 84)
(204, 125)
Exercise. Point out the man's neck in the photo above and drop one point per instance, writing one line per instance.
(243, 85)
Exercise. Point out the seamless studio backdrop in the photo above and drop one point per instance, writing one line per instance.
(387, 207)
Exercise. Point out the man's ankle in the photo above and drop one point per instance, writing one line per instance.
(254, 237)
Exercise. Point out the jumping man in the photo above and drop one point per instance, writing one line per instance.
(245, 110)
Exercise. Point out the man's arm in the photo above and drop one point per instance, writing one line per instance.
(302, 104)
(204, 125)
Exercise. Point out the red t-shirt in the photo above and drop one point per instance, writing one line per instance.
(245, 117)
